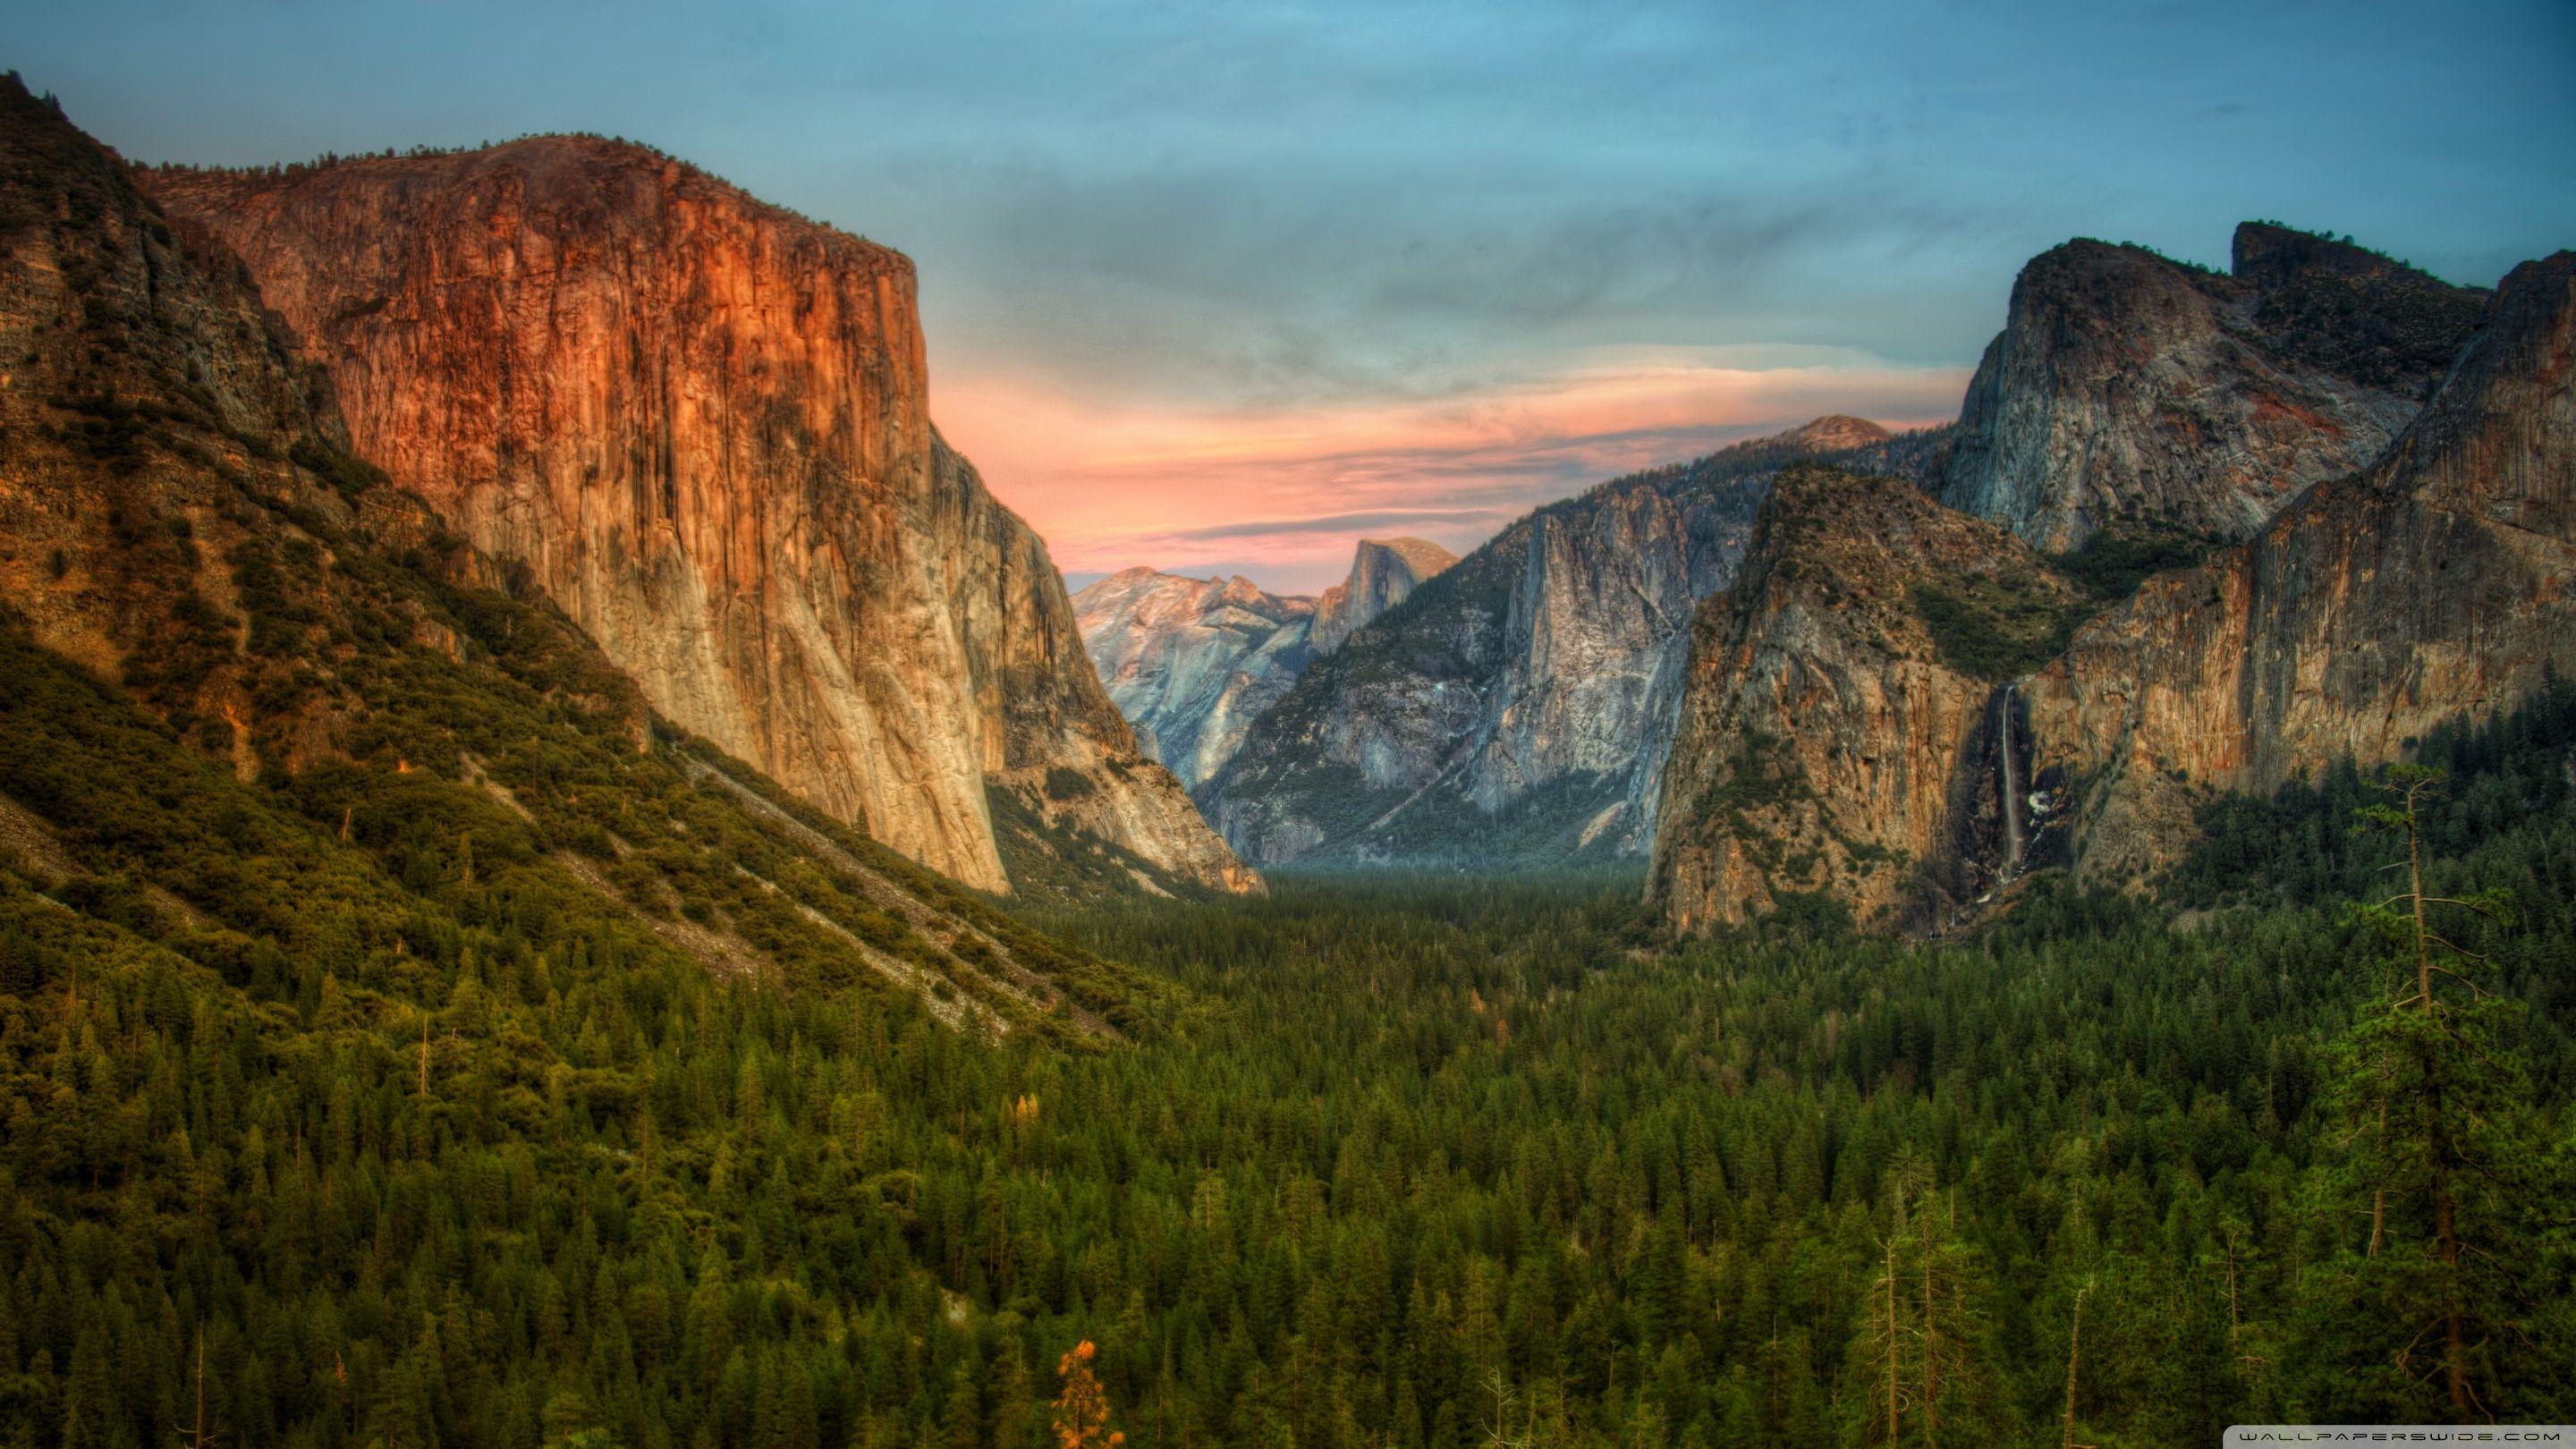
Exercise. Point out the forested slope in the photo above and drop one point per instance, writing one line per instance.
(1655, 1197)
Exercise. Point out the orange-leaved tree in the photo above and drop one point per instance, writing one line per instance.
(1082, 1406)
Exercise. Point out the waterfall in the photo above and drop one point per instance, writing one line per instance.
(2008, 781)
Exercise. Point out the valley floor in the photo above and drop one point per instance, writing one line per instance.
(1407, 1162)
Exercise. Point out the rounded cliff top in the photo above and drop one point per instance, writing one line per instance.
(569, 174)
(1836, 431)
(1423, 557)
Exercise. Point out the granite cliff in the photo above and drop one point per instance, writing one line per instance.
(1845, 727)
(1193, 662)
(1384, 573)
(699, 425)
(2135, 394)
(2440, 581)
(268, 716)
(1902, 708)
(1515, 709)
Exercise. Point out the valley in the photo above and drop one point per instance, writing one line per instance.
(571, 875)
(1510, 1142)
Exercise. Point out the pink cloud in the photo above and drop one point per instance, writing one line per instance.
(1284, 493)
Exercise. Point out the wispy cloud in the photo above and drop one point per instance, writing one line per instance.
(1284, 493)
(1195, 268)
(1339, 524)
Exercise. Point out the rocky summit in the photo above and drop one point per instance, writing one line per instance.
(1193, 662)
(2142, 398)
(2439, 583)
(1384, 573)
(700, 426)
(1904, 709)
(271, 725)
(1515, 710)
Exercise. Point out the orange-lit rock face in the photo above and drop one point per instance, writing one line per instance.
(700, 424)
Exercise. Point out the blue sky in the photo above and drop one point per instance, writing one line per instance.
(1192, 269)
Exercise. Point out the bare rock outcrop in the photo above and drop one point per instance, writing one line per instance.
(1516, 709)
(1192, 662)
(1844, 732)
(1907, 761)
(195, 568)
(1384, 573)
(700, 426)
(157, 440)
(2440, 581)
(2133, 393)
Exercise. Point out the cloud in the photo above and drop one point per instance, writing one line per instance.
(1339, 523)
(1285, 492)
(1196, 276)
(1393, 277)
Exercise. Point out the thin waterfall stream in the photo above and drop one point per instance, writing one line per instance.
(2008, 782)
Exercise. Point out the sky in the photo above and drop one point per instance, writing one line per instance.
(1225, 285)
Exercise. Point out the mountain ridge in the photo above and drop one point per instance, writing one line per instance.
(2431, 584)
(1192, 662)
(269, 718)
(1512, 711)
(2131, 392)
(701, 424)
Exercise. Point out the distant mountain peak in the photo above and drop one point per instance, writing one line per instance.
(1516, 711)
(1836, 431)
(1384, 573)
(1191, 661)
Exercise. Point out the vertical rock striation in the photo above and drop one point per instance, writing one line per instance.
(2440, 581)
(1887, 756)
(1843, 731)
(180, 514)
(1384, 573)
(1192, 662)
(699, 425)
(2132, 393)
(1515, 710)
(155, 429)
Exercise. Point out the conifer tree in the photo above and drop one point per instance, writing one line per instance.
(2441, 1141)
(1081, 1405)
